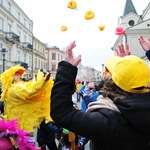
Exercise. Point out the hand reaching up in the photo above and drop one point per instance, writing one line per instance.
(145, 44)
(69, 55)
(121, 51)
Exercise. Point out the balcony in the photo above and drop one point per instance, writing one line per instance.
(12, 37)
(27, 46)
(23, 64)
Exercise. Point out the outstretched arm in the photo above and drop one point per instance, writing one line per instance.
(145, 44)
(69, 56)
(122, 50)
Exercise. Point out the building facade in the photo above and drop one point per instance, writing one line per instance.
(16, 36)
(53, 56)
(39, 56)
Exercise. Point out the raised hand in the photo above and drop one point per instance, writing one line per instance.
(145, 44)
(121, 51)
(69, 55)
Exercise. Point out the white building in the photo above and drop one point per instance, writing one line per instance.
(135, 26)
(16, 36)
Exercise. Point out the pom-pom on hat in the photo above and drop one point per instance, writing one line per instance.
(131, 74)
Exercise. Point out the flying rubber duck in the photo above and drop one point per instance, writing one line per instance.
(72, 5)
(64, 28)
(89, 15)
(101, 27)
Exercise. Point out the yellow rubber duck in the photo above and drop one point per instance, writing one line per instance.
(101, 27)
(64, 28)
(72, 4)
(89, 15)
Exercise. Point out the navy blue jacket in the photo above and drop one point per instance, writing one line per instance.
(148, 54)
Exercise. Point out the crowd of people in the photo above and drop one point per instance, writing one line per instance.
(113, 116)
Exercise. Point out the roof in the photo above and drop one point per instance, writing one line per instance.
(129, 7)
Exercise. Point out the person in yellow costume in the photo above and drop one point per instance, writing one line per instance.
(29, 102)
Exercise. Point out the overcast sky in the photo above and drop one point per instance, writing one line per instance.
(94, 45)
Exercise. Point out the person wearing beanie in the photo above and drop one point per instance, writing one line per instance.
(119, 119)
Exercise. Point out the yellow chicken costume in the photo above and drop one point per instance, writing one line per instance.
(29, 102)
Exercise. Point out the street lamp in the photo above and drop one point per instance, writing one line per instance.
(4, 60)
(103, 67)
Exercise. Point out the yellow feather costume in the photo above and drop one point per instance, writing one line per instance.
(29, 102)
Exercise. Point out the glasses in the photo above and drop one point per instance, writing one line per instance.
(91, 88)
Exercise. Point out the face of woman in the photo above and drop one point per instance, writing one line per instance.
(17, 77)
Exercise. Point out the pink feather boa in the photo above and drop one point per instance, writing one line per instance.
(22, 138)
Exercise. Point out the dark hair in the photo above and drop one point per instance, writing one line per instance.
(111, 89)
(99, 85)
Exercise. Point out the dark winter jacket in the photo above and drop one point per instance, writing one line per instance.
(148, 54)
(46, 132)
(128, 129)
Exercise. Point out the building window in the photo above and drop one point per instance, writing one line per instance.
(18, 16)
(25, 38)
(53, 56)
(8, 28)
(8, 54)
(25, 57)
(19, 34)
(35, 62)
(30, 41)
(1, 50)
(34, 45)
(30, 29)
(18, 55)
(24, 22)
(8, 6)
(53, 67)
(1, 24)
(58, 57)
(131, 22)
(39, 64)
(44, 65)
(30, 60)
